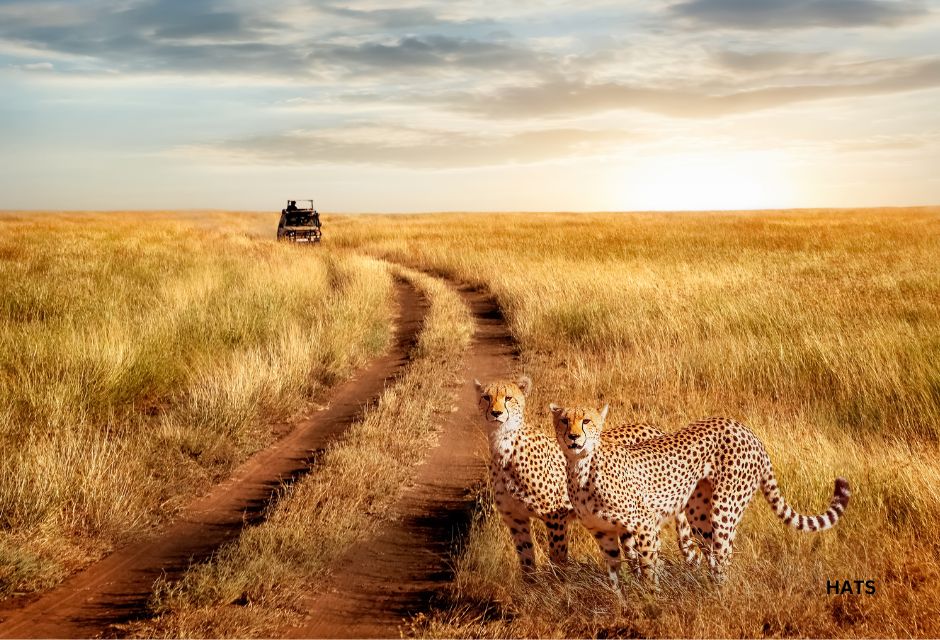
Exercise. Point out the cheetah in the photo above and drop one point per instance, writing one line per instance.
(626, 492)
(529, 479)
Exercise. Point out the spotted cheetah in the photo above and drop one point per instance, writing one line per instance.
(628, 491)
(529, 479)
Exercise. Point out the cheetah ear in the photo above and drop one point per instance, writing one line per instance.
(525, 385)
(554, 408)
(604, 411)
(478, 385)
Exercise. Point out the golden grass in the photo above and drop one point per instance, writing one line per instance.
(251, 586)
(819, 329)
(142, 357)
(120, 354)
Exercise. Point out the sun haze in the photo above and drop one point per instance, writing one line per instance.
(381, 106)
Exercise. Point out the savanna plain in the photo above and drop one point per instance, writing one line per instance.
(144, 355)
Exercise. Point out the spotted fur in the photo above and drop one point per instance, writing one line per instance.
(692, 529)
(628, 491)
(529, 476)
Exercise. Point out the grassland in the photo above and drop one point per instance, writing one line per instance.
(140, 360)
(142, 356)
(820, 329)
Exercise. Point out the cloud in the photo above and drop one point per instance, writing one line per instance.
(890, 143)
(412, 147)
(150, 36)
(386, 18)
(430, 52)
(207, 36)
(764, 61)
(569, 98)
(53, 23)
(189, 19)
(34, 66)
(399, 18)
(789, 14)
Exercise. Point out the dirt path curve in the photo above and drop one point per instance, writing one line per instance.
(381, 582)
(116, 589)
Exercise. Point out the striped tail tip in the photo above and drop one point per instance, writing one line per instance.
(842, 492)
(819, 522)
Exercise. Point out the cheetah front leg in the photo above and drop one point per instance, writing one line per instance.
(628, 544)
(557, 525)
(518, 525)
(516, 517)
(609, 542)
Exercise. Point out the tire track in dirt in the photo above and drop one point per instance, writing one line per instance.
(381, 582)
(115, 590)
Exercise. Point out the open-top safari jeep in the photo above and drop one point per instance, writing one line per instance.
(300, 222)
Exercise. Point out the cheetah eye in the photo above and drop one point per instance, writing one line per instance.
(564, 421)
(508, 398)
(487, 398)
(587, 421)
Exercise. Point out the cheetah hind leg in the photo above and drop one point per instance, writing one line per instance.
(690, 549)
(726, 514)
(698, 511)
(647, 547)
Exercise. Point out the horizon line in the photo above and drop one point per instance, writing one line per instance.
(476, 212)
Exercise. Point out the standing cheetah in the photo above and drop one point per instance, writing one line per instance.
(630, 490)
(529, 478)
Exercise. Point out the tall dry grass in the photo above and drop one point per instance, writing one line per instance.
(252, 586)
(141, 357)
(819, 329)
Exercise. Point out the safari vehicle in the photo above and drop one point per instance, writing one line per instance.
(300, 222)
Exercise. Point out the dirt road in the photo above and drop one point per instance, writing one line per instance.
(115, 590)
(381, 582)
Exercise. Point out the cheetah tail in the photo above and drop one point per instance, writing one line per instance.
(800, 522)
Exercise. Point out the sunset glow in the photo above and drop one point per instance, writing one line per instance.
(701, 182)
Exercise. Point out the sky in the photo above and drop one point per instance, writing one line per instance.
(534, 105)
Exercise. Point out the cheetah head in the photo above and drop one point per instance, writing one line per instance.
(501, 400)
(578, 430)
